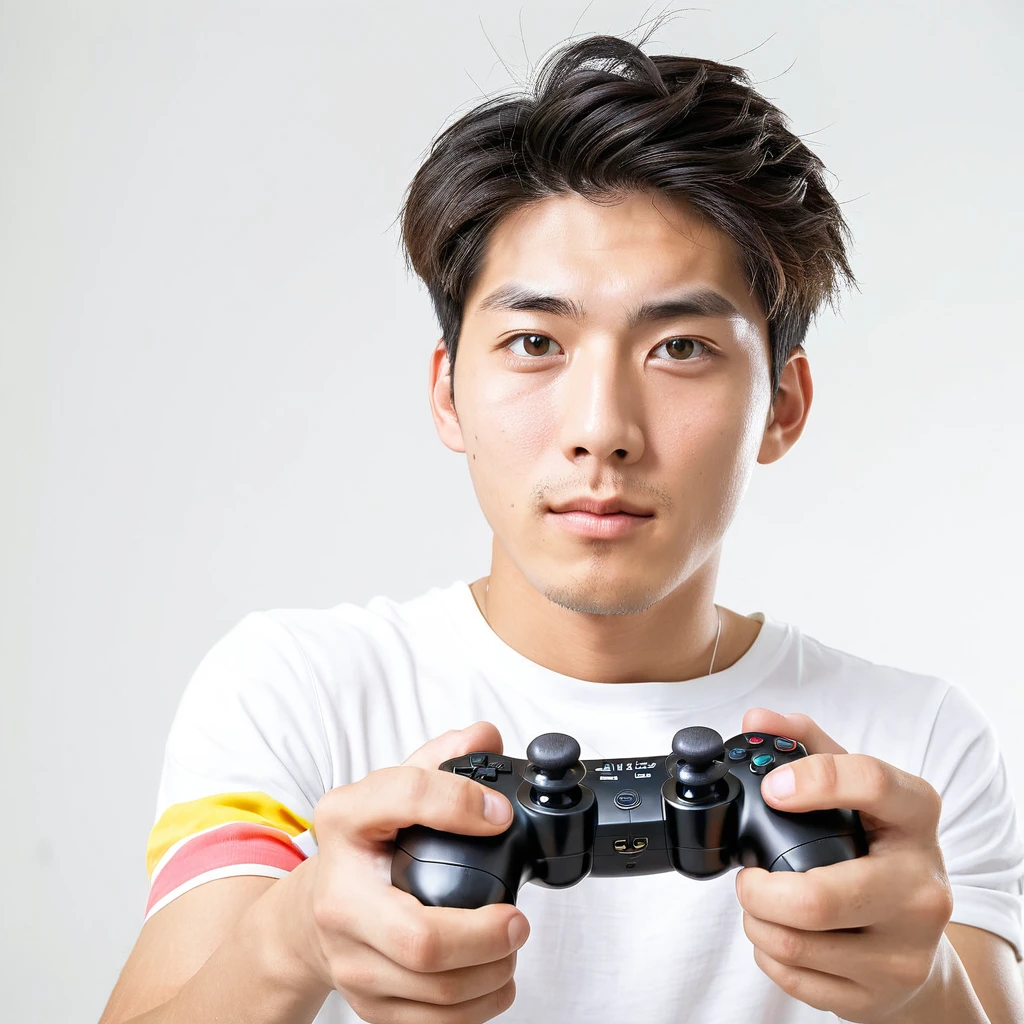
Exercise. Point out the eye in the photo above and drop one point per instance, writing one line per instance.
(532, 342)
(682, 349)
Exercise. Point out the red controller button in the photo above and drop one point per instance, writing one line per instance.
(755, 740)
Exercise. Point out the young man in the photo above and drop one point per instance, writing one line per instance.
(626, 264)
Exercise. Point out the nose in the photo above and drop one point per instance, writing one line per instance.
(601, 406)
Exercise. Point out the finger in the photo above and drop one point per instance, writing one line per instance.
(479, 737)
(857, 781)
(799, 727)
(475, 1011)
(427, 939)
(367, 972)
(822, 991)
(850, 894)
(373, 809)
(845, 954)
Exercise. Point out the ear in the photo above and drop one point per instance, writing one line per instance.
(442, 408)
(789, 411)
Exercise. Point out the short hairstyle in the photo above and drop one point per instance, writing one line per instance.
(604, 118)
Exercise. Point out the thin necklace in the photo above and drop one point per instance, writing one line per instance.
(487, 587)
(717, 638)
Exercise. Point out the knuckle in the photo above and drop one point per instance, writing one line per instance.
(790, 947)
(416, 783)
(504, 997)
(932, 902)
(447, 989)
(418, 947)
(329, 914)
(329, 811)
(356, 978)
(366, 1010)
(457, 796)
(825, 770)
(815, 905)
(910, 969)
(874, 778)
(933, 802)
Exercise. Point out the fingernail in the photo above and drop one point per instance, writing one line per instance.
(497, 810)
(780, 783)
(518, 931)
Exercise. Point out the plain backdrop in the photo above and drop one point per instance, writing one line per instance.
(213, 373)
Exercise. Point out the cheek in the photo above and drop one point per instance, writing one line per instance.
(510, 431)
(519, 422)
(708, 446)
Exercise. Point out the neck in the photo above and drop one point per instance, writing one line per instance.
(583, 634)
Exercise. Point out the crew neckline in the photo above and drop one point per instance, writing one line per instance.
(750, 670)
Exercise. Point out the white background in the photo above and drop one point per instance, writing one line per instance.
(213, 373)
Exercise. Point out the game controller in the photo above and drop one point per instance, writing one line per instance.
(698, 811)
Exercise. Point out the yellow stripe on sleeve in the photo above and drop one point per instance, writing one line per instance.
(181, 820)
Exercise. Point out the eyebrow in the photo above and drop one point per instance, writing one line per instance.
(703, 302)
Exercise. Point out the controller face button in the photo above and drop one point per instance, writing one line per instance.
(478, 760)
(627, 798)
(760, 765)
(781, 743)
(755, 740)
(737, 753)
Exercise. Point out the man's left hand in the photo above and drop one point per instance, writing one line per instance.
(858, 938)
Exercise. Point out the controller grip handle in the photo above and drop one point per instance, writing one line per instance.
(444, 869)
(438, 884)
(822, 852)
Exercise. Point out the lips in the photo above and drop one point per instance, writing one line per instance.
(601, 506)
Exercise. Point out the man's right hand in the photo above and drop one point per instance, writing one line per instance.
(393, 959)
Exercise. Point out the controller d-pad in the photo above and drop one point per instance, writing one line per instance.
(464, 769)
(486, 774)
(478, 760)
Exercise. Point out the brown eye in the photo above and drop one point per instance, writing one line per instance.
(535, 345)
(682, 349)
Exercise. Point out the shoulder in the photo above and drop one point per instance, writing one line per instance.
(345, 646)
(888, 711)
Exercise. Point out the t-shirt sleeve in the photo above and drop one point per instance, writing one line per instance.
(978, 829)
(246, 762)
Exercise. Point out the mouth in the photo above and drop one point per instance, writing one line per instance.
(603, 519)
(602, 506)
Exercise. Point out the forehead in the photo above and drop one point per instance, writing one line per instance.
(611, 250)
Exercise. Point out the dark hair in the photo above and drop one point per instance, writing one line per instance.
(605, 118)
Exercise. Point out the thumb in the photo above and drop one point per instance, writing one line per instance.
(480, 736)
(801, 728)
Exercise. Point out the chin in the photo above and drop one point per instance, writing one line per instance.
(599, 597)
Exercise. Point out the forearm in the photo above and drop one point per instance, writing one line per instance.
(946, 998)
(260, 974)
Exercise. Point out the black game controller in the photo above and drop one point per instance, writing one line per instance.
(699, 811)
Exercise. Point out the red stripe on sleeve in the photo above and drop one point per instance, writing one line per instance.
(235, 843)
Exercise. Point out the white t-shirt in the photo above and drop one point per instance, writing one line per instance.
(291, 703)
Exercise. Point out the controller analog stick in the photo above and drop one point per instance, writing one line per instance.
(698, 759)
(554, 753)
(698, 746)
(554, 769)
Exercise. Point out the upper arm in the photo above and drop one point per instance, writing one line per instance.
(992, 967)
(177, 940)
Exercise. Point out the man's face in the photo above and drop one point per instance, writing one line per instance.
(667, 413)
